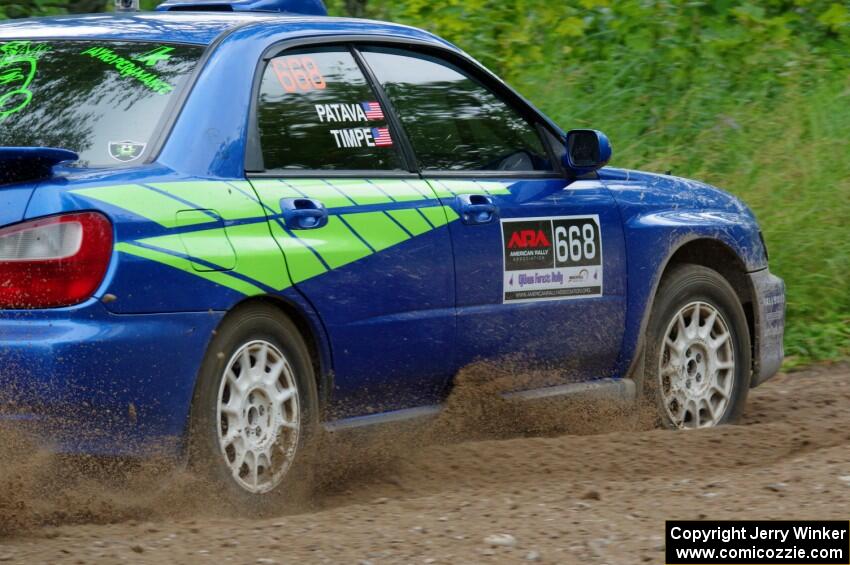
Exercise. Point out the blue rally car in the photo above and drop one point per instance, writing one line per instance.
(228, 225)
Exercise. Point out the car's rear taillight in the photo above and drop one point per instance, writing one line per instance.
(54, 261)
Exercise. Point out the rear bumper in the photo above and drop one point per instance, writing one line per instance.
(88, 381)
(769, 325)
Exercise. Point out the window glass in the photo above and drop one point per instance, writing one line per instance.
(317, 111)
(453, 121)
(104, 100)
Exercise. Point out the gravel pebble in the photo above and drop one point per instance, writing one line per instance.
(502, 540)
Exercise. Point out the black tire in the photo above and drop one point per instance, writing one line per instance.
(252, 324)
(682, 286)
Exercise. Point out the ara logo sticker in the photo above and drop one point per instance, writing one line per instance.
(528, 238)
(126, 151)
(552, 258)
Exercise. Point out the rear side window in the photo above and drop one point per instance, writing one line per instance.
(454, 122)
(317, 112)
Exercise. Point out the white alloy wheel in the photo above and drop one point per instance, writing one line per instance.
(697, 367)
(258, 416)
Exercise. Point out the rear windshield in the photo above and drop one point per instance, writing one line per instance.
(105, 100)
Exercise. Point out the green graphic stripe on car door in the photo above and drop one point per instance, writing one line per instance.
(246, 251)
(362, 192)
(303, 262)
(495, 187)
(338, 193)
(450, 188)
(377, 229)
(405, 190)
(320, 190)
(141, 201)
(272, 191)
(218, 277)
(439, 215)
(336, 244)
(411, 220)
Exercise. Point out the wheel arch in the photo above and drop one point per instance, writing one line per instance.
(311, 329)
(719, 257)
(713, 254)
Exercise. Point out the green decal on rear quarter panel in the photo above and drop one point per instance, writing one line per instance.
(218, 277)
(377, 229)
(411, 220)
(258, 257)
(142, 201)
(228, 201)
(210, 245)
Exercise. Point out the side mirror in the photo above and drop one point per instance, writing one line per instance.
(587, 151)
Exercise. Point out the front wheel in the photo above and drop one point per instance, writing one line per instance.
(697, 365)
(255, 408)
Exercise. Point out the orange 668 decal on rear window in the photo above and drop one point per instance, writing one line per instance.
(552, 258)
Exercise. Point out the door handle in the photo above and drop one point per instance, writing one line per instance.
(303, 213)
(477, 209)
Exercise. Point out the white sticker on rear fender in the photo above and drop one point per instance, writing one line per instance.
(552, 258)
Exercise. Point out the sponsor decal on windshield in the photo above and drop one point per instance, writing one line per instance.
(18, 67)
(298, 74)
(137, 68)
(126, 151)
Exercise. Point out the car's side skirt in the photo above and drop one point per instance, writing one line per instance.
(622, 390)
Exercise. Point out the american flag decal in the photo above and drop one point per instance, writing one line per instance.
(373, 110)
(382, 137)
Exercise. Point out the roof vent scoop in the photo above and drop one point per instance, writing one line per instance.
(305, 7)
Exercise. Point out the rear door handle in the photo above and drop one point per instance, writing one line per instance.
(303, 213)
(477, 209)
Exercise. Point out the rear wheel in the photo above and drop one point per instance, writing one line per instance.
(255, 409)
(698, 350)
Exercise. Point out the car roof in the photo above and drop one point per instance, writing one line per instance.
(200, 28)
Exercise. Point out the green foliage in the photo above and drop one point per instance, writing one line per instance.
(27, 8)
(751, 96)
